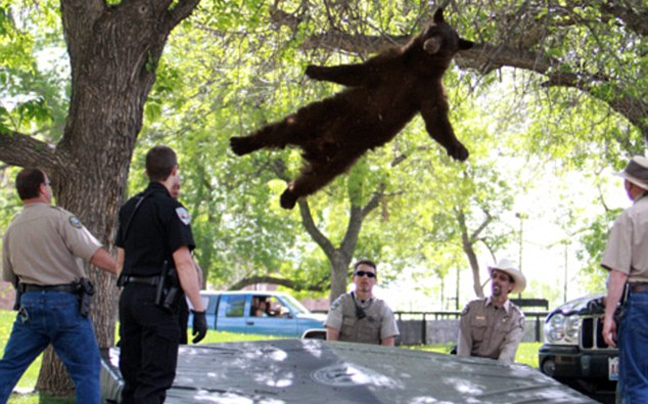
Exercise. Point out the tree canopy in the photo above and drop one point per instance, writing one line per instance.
(88, 86)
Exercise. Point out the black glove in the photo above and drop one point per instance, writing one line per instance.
(199, 326)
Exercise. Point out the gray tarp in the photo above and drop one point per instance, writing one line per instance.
(315, 371)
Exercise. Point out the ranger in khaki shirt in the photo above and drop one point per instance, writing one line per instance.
(626, 257)
(42, 254)
(493, 327)
(359, 316)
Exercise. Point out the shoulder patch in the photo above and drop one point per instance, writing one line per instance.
(75, 222)
(465, 310)
(184, 215)
(336, 303)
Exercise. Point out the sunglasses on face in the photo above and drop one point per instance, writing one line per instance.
(368, 274)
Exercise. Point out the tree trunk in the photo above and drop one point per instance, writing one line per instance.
(339, 277)
(468, 242)
(340, 257)
(114, 51)
(56, 381)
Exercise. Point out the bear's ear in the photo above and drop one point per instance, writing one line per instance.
(438, 16)
(465, 44)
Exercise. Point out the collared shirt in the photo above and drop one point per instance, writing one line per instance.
(159, 227)
(46, 245)
(488, 331)
(627, 246)
(378, 324)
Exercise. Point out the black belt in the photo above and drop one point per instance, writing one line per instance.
(637, 287)
(70, 287)
(144, 280)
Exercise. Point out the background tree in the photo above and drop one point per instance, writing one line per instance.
(565, 81)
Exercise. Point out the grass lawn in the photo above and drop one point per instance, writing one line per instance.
(527, 353)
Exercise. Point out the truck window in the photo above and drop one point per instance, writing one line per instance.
(235, 306)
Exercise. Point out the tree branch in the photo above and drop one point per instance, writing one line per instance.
(252, 280)
(317, 236)
(24, 151)
(182, 10)
(634, 20)
(486, 58)
(475, 235)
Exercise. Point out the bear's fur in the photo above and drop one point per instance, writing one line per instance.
(384, 94)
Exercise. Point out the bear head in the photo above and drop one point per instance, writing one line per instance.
(440, 40)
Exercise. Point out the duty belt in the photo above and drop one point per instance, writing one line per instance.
(144, 280)
(637, 287)
(69, 288)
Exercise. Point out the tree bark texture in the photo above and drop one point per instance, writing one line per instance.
(114, 51)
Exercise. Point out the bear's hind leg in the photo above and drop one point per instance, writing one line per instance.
(272, 136)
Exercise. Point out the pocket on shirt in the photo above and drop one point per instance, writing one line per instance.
(479, 328)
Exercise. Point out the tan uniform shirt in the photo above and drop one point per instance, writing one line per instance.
(627, 246)
(379, 322)
(46, 245)
(490, 332)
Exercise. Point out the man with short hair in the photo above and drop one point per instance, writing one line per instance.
(493, 327)
(154, 238)
(43, 253)
(626, 257)
(359, 316)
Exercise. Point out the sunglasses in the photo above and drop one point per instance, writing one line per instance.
(363, 273)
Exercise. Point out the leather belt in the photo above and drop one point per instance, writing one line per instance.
(637, 287)
(69, 288)
(143, 280)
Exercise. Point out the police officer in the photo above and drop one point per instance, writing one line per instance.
(493, 327)
(154, 238)
(183, 309)
(359, 316)
(626, 257)
(43, 253)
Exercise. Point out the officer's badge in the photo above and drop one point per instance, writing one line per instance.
(75, 222)
(184, 215)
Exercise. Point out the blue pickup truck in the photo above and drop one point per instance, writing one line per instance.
(259, 312)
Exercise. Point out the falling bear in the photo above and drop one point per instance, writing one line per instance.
(383, 94)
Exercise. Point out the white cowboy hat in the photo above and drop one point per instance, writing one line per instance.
(636, 171)
(506, 265)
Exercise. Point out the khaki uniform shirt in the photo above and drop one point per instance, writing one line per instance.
(379, 322)
(490, 332)
(627, 246)
(45, 245)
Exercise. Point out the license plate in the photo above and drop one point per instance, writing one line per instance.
(613, 368)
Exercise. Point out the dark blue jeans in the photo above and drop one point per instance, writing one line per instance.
(633, 345)
(52, 318)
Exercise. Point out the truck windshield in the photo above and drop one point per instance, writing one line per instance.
(294, 305)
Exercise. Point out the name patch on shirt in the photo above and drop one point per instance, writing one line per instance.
(183, 215)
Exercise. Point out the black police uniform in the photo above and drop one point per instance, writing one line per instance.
(149, 335)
